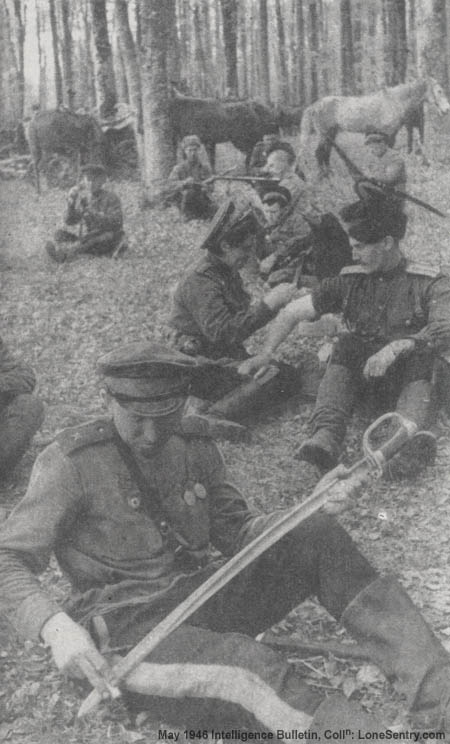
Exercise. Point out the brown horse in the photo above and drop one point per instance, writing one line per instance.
(243, 123)
(66, 133)
(388, 110)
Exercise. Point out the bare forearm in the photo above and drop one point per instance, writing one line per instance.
(286, 320)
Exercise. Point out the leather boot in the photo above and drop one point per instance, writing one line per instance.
(417, 403)
(390, 628)
(333, 408)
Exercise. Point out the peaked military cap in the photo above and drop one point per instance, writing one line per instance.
(285, 147)
(279, 194)
(231, 221)
(147, 378)
(93, 169)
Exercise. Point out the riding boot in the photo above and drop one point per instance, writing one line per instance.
(20, 420)
(417, 403)
(390, 628)
(333, 408)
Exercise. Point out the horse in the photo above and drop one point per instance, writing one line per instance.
(388, 110)
(62, 132)
(243, 123)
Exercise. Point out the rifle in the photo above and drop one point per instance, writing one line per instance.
(271, 182)
(338, 482)
(388, 190)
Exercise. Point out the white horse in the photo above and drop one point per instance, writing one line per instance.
(387, 110)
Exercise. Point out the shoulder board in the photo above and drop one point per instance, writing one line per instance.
(424, 269)
(353, 269)
(194, 426)
(77, 437)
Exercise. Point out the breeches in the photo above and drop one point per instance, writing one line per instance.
(94, 242)
(216, 652)
(20, 418)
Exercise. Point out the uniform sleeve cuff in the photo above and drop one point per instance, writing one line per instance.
(32, 614)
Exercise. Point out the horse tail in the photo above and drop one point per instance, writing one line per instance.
(308, 125)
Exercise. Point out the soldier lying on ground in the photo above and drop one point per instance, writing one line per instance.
(306, 245)
(398, 319)
(188, 182)
(21, 412)
(130, 506)
(212, 315)
(97, 211)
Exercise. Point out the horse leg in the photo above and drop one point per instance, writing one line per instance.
(323, 152)
(210, 148)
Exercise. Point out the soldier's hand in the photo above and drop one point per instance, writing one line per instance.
(339, 500)
(188, 181)
(280, 295)
(75, 653)
(378, 364)
(256, 364)
(267, 264)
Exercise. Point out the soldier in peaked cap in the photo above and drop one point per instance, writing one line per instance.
(130, 506)
(398, 319)
(188, 181)
(212, 315)
(98, 212)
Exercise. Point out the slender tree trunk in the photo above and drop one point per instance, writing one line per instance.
(229, 20)
(200, 60)
(282, 51)
(56, 63)
(300, 57)
(433, 59)
(105, 70)
(20, 20)
(156, 33)
(130, 57)
(264, 51)
(67, 55)
(395, 43)
(40, 30)
(314, 41)
(347, 58)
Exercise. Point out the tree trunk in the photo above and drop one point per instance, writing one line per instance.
(19, 17)
(199, 54)
(130, 57)
(395, 44)
(105, 70)
(264, 52)
(40, 30)
(347, 59)
(67, 53)
(154, 20)
(300, 55)
(282, 52)
(56, 63)
(433, 58)
(314, 42)
(229, 21)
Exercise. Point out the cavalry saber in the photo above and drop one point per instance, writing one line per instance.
(349, 481)
(389, 190)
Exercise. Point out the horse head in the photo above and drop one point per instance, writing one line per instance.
(436, 95)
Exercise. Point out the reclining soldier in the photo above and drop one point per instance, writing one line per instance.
(130, 506)
(98, 212)
(212, 315)
(398, 319)
(21, 412)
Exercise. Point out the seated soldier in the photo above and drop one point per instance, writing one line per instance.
(212, 315)
(95, 210)
(387, 168)
(398, 319)
(21, 412)
(258, 158)
(130, 506)
(303, 245)
(188, 182)
(281, 163)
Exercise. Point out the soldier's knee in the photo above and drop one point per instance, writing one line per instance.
(28, 410)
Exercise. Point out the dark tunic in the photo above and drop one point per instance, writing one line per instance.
(212, 309)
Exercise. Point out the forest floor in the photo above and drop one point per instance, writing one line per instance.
(61, 318)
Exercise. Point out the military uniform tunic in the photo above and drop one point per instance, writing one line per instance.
(125, 565)
(212, 311)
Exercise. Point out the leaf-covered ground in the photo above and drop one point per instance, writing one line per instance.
(61, 318)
